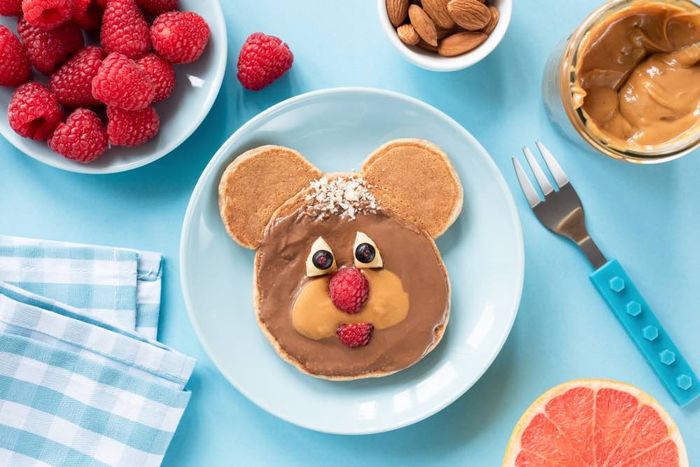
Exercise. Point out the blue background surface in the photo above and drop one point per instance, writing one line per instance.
(648, 217)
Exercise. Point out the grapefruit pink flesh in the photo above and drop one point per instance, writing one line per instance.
(595, 423)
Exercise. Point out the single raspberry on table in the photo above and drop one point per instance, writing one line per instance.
(47, 14)
(180, 37)
(355, 335)
(88, 14)
(72, 83)
(81, 138)
(121, 82)
(349, 289)
(126, 128)
(34, 112)
(15, 68)
(124, 29)
(10, 7)
(162, 74)
(157, 7)
(49, 49)
(263, 59)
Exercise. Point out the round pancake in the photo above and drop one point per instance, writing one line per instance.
(255, 184)
(415, 179)
(279, 272)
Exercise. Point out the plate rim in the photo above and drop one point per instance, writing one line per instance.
(172, 145)
(217, 159)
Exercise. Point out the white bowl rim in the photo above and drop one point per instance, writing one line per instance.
(446, 64)
(171, 145)
(224, 151)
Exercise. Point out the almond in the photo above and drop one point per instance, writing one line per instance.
(408, 34)
(437, 10)
(424, 26)
(495, 16)
(472, 15)
(461, 43)
(397, 10)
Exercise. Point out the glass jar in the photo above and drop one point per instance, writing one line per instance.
(563, 103)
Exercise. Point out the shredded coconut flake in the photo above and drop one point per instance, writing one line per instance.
(345, 197)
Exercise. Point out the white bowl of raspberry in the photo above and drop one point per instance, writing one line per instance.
(118, 88)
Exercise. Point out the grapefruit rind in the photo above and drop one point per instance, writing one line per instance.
(513, 448)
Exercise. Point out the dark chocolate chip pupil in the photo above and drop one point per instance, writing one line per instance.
(365, 253)
(323, 259)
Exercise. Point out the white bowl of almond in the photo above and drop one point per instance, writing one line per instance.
(445, 35)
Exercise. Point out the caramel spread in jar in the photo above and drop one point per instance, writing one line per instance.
(638, 80)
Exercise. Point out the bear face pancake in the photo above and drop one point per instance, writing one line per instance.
(348, 281)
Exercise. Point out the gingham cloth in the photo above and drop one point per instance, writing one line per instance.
(76, 392)
(78, 385)
(113, 285)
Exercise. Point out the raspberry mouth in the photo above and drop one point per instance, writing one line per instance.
(355, 335)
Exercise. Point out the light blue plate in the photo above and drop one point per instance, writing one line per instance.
(336, 130)
(198, 84)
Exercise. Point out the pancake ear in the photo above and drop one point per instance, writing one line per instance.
(415, 180)
(255, 184)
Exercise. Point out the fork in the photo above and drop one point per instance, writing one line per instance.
(561, 211)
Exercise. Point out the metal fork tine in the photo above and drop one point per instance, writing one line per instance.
(542, 179)
(530, 193)
(554, 167)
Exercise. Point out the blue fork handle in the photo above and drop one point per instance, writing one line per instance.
(644, 328)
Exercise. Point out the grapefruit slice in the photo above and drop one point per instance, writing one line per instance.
(595, 423)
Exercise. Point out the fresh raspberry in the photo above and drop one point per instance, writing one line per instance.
(162, 74)
(10, 7)
(127, 128)
(34, 112)
(157, 7)
(88, 14)
(47, 14)
(81, 138)
(72, 83)
(123, 83)
(48, 49)
(263, 60)
(180, 37)
(349, 290)
(14, 64)
(355, 335)
(124, 29)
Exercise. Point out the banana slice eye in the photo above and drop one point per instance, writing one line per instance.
(321, 260)
(365, 253)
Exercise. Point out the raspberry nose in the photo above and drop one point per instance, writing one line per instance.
(349, 289)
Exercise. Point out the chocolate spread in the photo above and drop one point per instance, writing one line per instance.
(639, 76)
(407, 252)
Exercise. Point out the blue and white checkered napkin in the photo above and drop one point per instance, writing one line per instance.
(113, 285)
(76, 391)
